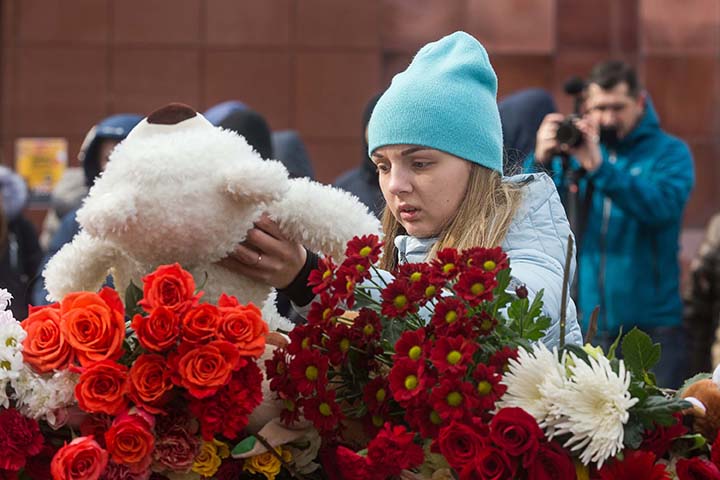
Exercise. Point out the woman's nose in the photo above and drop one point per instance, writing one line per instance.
(399, 181)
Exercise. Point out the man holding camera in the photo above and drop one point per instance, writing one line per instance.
(632, 181)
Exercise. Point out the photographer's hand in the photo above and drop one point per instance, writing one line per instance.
(546, 144)
(588, 152)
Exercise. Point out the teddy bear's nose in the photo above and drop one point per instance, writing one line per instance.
(171, 114)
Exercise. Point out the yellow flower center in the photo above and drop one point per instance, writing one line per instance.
(400, 301)
(430, 291)
(365, 251)
(280, 368)
(477, 288)
(325, 409)
(326, 274)
(486, 324)
(305, 344)
(359, 268)
(448, 267)
(454, 399)
(5, 365)
(344, 345)
(289, 405)
(415, 276)
(377, 420)
(411, 382)
(349, 285)
(451, 316)
(380, 395)
(414, 352)
(484, 387)
(368, 329)
(435, 418)
(311, 373)
(453, 357)
(489, 265)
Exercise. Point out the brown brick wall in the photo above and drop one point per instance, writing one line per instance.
(312, 64)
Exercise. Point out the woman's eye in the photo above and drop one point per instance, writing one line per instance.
(382, 168)
(419, 164)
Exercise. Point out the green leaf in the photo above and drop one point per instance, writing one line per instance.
(686, 445)
(245, 446)
(133, 295)
(639, 353)
(536, 330)
(633, 434)
(691, 380)
(578, 351)
(658, 409)
(613, 347)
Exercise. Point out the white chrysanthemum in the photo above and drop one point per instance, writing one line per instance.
(527, 379)
(11, 338)
(593, 408)
(5, 299)
(42, 397)
(4, 400)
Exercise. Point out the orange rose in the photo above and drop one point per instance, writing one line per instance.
(81, 459)
(204, 369)
(93, 326)
(242, 326)
(102, 388)
(45, 348)
(158, 331)
(150, 382)
(200, 324)
(130, 441)
(169, 286)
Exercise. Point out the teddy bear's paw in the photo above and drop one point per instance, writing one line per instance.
(263, 181)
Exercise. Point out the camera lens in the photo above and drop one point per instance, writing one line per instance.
(568, 134)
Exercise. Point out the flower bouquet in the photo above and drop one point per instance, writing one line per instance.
(163, 388)
(437, 371)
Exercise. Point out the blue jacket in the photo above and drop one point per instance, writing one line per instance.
(628, 256)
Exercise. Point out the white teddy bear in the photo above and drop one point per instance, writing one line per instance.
(178, 189)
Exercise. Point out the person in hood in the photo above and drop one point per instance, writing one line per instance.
(290, 150)
(636, 182)
(94, 155)
(521, 115)
(20, 251)
(362, 181)
(436, 140)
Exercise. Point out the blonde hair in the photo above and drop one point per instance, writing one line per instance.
(482, 219)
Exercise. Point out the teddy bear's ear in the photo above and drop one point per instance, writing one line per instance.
(264, 182)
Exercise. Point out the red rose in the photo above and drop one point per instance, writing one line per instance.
(460, 444)
(696, 468)
(516, 432)
(102, 388)
(150, 382)
(81, 459)
(634, 465)
(491, 464)
(159, 331)
(552, 463)
(45, 348)
(200, 324)
(130, 441)
(169, 286)
(204, 369)
(242, 325)
(20, 438)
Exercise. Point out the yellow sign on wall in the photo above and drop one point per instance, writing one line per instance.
(41, 162)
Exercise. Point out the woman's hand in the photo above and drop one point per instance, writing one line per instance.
(266, 255)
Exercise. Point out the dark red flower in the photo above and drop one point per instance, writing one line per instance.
(421, 416)
(460, 443)
(376, 394)
(304, 337)
(410, 345)
(308, 370)
(352, 465)
(343, 287)
(696, 468)
(366, 327)
(517, 433)
(321, 278)
(394, 450)
(484, 323)
(488, 386)
(475, 286)
(452, 355)
(500, 359)
(659, 438)
(338, 342)
(407, 380)
(324, 310)
(276, 370)
(20, 438)
(367, 247)
(490, 260)
(453, 399)
(445, 266)
(323, 410)
(397, 299)
(449, 317)
(491, 464)
(553, 463)
(636, 464)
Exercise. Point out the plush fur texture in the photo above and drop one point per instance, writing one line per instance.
(188, 193)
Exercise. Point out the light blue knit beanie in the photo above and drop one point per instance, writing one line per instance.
(446, 100)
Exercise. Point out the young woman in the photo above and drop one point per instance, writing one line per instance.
(436, 139)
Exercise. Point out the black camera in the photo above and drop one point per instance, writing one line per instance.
(568, 133)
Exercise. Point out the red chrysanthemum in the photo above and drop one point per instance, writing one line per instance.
(276, 370)
(488, 386)
(366, 327)
(343, 287)
(407, 380)
(368, 248)
(411, 345)
(483, 323)
(304, 337)
(449, 318)
(635, 464)
(323, 410)
(445, 266)
(338, 342)
(475, 286)
(398, 299)
(490, 260)
(452, 355)
(454, 399)
(376, 394)
(500, 359)
(422, 417)
(308, 370)
(321, 278)
(324, 310)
